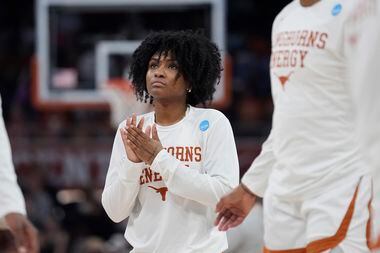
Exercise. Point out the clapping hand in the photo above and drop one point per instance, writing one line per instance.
(140, 147)
(124, 135)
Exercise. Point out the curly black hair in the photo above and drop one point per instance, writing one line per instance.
(198, 58)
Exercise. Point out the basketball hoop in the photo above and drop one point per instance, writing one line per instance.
(120, 95)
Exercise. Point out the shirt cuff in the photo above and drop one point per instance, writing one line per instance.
(165, 164)
(254, 187)
(13, 208)
(130, 171)
(11, 199)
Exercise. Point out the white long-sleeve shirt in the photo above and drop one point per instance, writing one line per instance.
(363, 40)
(312, 145)
(11, 198)
(171, 204)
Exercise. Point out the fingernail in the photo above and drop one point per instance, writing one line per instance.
(22, 250)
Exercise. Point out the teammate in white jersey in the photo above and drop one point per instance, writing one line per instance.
(363, 40)
(315, 186)
(168, 179)
(12, 204)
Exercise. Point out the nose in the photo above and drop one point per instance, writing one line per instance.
(159, 72)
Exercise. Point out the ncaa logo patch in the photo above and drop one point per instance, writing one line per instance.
(204, 125)
(336, 9)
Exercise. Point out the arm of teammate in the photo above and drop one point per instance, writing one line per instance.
(257, 176)
(234, 207)
(122, 180)
(220, 172)
(11, 198)
(12, 203)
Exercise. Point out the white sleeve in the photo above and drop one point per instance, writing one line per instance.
(363, 74)
(362, 42)
(365, 85)
(220, 168)
(122, 182)
(257, 176)
(11, 198)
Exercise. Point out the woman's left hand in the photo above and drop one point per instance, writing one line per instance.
(146, 148)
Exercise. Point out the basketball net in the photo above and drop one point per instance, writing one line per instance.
(120, 95)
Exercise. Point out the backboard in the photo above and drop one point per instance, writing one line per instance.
(82, 44)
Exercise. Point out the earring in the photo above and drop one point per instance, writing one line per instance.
(188, 90)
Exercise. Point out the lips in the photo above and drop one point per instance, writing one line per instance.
(157, 84)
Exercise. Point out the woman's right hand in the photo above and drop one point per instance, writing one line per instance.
(123, 131)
